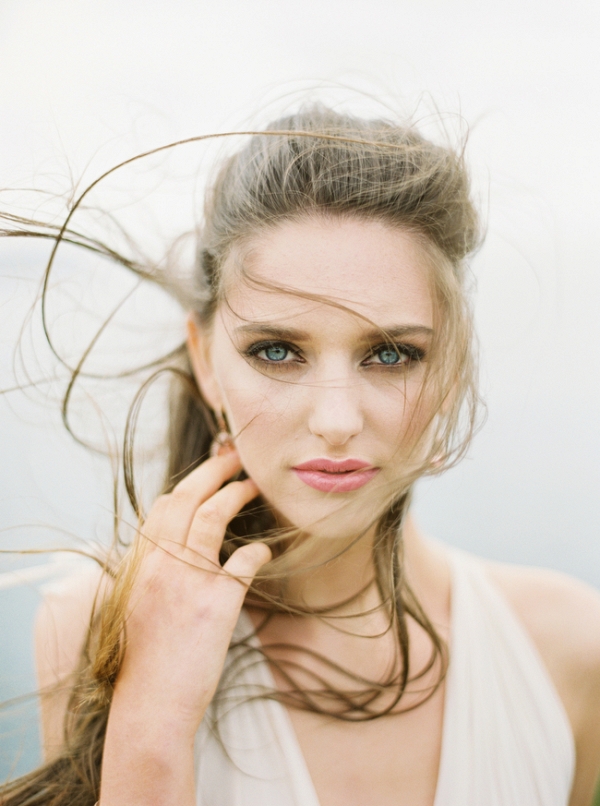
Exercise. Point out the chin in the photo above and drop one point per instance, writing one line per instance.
(343, 517)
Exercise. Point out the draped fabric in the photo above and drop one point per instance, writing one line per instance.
(506, 738)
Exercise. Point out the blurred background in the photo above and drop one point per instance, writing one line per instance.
(84, 85)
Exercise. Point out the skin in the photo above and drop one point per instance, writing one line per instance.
(333, 400)
(330, 398)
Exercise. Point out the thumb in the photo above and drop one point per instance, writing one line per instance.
(245, 562)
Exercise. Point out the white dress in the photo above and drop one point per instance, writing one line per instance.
(506, 738)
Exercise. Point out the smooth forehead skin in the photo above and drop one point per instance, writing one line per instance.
(379, 271)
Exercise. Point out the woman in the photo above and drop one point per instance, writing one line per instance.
(280, 632)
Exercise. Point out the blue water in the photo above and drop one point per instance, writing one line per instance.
(19, 721)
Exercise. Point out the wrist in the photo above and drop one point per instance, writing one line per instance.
(153, 715)
(147, 760)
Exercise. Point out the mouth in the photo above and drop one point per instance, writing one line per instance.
(330, 476)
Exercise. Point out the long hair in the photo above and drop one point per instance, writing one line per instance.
(314, 163)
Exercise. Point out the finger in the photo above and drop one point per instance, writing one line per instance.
(210, 521)
(174, 519)
(151, 528)
(246, 561)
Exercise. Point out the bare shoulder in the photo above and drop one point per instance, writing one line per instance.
(561, 614)
(63, 619)
(61, 627)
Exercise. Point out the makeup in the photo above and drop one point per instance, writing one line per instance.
(332, 476)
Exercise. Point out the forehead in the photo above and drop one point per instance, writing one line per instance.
(379, 271)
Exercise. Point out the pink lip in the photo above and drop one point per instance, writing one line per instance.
(329, 476)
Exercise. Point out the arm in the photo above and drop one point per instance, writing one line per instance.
(161, 758)
(181, 615)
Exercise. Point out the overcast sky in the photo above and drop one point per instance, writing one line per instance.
(85, 84)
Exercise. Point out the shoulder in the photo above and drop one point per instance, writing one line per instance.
(61, 628)
(63, 619)
(560, 613)
(562, 617)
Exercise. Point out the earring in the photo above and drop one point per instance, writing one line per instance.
(222, 441)
(438, 460)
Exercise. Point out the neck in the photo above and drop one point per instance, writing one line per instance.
(329, 580)
(345, 583)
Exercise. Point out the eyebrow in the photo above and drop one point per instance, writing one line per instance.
(394, 332)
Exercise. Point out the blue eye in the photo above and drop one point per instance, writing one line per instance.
(275, 352)
(399, 355)
(389, 356)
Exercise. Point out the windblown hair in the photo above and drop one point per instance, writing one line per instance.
(313, 164)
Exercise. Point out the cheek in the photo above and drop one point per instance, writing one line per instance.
(400, 408)
(264, 418)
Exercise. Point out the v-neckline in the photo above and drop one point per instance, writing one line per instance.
(288, 739)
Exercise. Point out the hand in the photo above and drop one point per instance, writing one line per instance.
(183, 607)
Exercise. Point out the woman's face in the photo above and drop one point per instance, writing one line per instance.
(320, 398)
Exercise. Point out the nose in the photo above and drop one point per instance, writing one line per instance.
(335, 413)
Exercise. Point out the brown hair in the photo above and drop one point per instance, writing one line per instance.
(313, 163)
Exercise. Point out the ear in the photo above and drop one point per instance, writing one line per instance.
(198, 345)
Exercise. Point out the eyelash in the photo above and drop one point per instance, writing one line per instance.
(411, 351)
